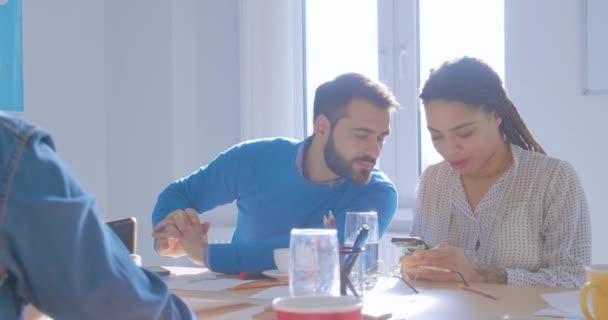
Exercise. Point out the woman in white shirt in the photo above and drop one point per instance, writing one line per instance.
(498, 209)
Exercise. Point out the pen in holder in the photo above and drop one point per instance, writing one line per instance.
(348, 279)
(348, 259)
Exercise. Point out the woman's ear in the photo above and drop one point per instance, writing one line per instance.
(496, 118)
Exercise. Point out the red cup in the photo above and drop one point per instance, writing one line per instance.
(317, 308)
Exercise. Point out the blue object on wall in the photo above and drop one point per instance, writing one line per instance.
(11, 56)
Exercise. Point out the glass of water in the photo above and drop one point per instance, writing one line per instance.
(369, 258)
(314, 268)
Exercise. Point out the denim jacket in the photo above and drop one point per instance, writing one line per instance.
(55, 251)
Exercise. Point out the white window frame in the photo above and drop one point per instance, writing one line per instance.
(399, 69)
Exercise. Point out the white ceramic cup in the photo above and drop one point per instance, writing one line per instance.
(281, 259)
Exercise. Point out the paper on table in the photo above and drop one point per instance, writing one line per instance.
(384, 305)
(205, 308)
(248, 313)
(565, 303)
(182, 271)
(552, 312)
(201, 282)
(197, 304)
(392, 297)
(198, 279)
(271, 293)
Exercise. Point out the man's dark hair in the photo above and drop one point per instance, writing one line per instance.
(332, 97)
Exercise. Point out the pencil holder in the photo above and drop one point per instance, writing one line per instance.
(351, 272)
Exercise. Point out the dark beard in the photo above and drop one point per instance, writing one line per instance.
(343, 167)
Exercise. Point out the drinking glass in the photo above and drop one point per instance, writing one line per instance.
(314, 268)
(369, 259)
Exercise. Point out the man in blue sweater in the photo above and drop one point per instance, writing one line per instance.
(280, 184)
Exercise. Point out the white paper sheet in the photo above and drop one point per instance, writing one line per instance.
(209, 307)
(272, 292)
(247, 313)
(399, 305)
(563, 304)
(197, 304)
(552, 312)
(184, 271)
(198, 279)
(201, 282)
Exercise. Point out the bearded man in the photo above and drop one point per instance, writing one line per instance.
(280, 183)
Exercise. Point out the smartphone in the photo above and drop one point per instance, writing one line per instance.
(409, 245)
(158, 270)
(126, 230)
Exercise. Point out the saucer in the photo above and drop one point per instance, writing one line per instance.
(276, 274)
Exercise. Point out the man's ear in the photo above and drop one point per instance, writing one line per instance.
(322, 127)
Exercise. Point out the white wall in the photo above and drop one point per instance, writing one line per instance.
(63, 55)
(271, 55)
(544, 72)
(138, 89)
(172, 88)
(134, 94)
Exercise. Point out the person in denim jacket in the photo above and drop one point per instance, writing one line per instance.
(55, 251)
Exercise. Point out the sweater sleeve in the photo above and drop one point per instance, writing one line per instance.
(206, 188)
(252, 256)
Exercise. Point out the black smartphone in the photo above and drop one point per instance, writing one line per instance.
(409, 245)
(158, 270)
(126, 230)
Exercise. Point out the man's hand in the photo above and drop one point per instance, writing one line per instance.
(194, 241)
(452, 258)
(168, 232)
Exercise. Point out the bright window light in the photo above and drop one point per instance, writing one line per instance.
(341, 37)
(452, 29)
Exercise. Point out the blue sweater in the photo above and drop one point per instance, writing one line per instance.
(272, 198)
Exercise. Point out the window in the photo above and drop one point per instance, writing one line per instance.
(334, 46)
(452, 29)
(380, 38)
(361, 39)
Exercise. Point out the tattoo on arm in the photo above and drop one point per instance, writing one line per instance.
(491, 274)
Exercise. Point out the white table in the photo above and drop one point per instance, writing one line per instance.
(435, 301)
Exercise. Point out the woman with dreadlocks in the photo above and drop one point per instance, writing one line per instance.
(498, 209)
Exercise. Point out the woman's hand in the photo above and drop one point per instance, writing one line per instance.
(449, 258)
